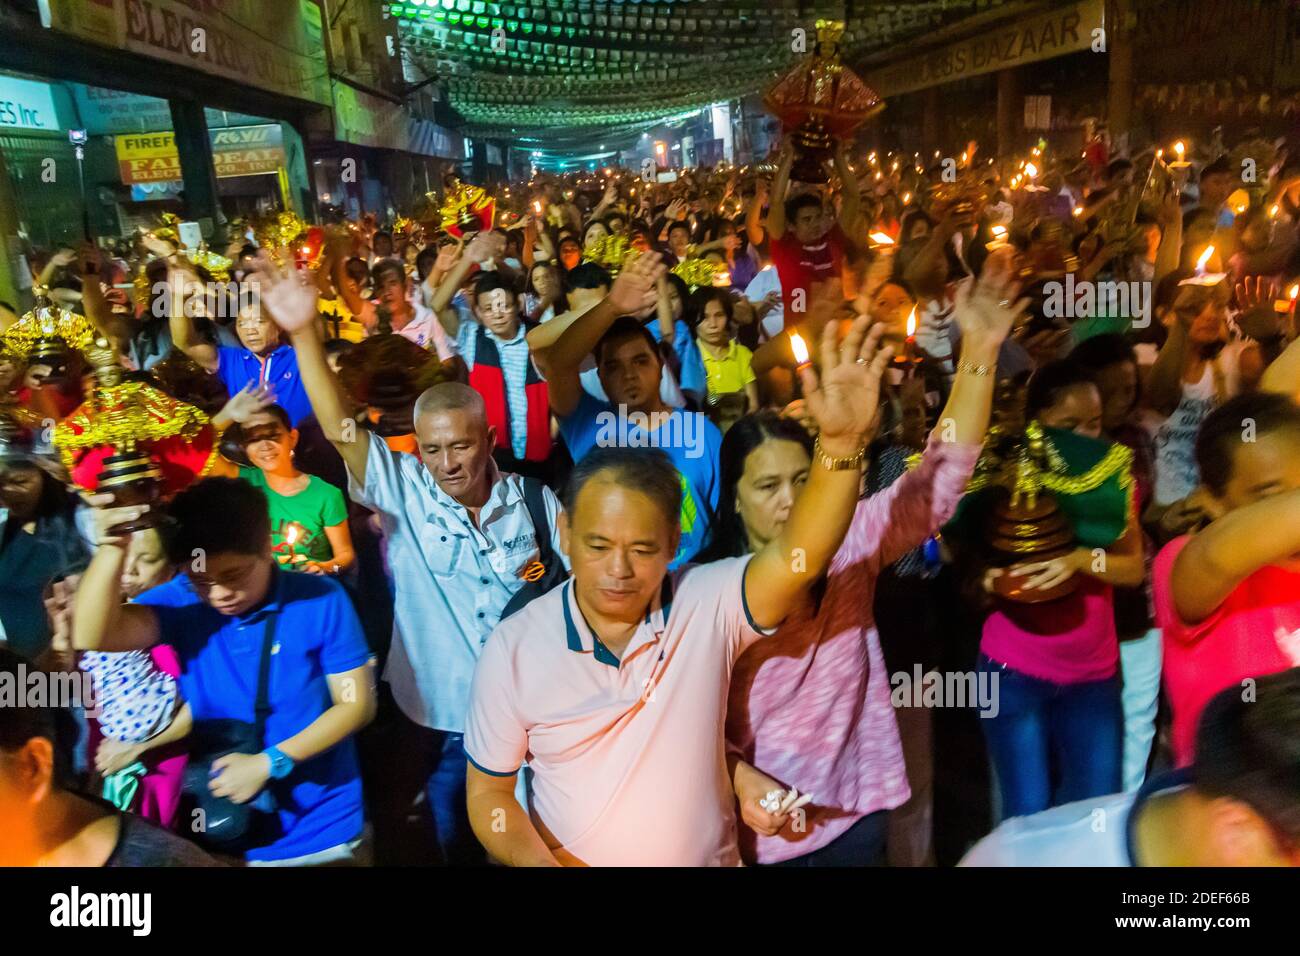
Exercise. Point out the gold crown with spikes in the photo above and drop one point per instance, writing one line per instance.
(829, 34)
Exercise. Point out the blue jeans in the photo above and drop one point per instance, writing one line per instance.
(1053, 743)
(446, 794)
(417, 786)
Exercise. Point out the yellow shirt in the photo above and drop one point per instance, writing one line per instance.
(732, 372)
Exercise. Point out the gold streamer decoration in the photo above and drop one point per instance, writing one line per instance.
(611, 252)
(218, 266)
(1033, 464)
(279, 232)
(695, 272)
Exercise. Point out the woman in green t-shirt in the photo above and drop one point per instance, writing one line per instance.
(309, 518)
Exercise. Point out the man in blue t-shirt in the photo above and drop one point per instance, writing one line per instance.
(262, 358)
(218, 613)
(629, 366)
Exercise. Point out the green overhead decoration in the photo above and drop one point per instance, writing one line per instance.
(574, 64)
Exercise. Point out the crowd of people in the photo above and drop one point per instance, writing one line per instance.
(701, 482)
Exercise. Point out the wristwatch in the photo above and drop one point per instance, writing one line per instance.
(281, 763)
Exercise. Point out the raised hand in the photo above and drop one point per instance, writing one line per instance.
(247, 402)
(635, 289)
(987, 309)
(845, 403)
(486, 245)
(1257, 317)
(286, 294)
(448, 256)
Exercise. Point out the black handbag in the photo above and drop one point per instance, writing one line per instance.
(223, 825)
(553, 573)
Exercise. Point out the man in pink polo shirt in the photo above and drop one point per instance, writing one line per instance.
(614, 686)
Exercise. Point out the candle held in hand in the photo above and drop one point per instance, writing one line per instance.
(800, 350)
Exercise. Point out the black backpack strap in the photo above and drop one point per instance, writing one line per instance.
(535, 502)
(262, 704)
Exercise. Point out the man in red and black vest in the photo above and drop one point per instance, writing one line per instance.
(503, 372)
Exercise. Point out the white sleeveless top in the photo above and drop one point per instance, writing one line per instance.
(1174, 438)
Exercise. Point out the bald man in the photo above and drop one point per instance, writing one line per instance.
(460, 538)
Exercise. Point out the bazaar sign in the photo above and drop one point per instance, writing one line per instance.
(240, 151)
(1024, 40)
(274, 46)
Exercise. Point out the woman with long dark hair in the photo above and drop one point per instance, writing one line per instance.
(810, 708)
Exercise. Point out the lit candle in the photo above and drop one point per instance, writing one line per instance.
(1201, 277)
(1031, 170)
(291, 534)
(1204, 260)
(910, 358)
(1078, 210)
(907, 198)
(800, 351)
(1180, 150)
(879, 239)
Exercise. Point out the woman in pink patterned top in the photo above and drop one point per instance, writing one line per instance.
(810, 709)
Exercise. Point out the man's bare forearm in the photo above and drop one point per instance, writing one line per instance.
(505, 829)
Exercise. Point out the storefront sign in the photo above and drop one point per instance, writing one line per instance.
(247, 150)
(26, 104)
(273, 46)
(1025, 40)
(366, 120)
(106, 112)
(240, 151)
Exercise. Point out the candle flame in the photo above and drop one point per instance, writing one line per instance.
(797, 346)
(1180, 148)
(1159, 153)
(911, 323)
(1031, 170)
(881, 238)
(537, 207)
(1272, 211)
(1205, 258)
(998, 231)
(907, 198)
(1078, 210)
(1293, 292)
(291, 534)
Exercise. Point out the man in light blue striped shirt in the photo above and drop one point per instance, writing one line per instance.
(459, 539)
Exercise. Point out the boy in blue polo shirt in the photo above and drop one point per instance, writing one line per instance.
(217, 614)
(629, 365)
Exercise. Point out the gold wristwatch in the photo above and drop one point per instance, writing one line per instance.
(851, 463)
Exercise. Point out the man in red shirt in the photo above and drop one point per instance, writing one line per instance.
(804, 246)
(1228, 597)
